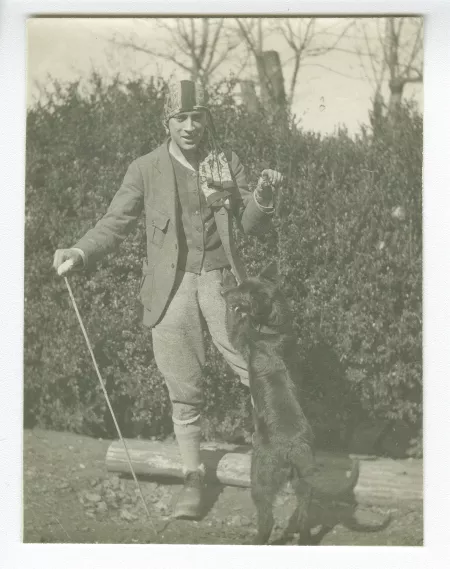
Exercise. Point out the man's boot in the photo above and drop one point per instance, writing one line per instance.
(189, 503)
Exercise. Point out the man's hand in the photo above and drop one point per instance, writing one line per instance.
(63, 255)
(274, 178)
(270, 180)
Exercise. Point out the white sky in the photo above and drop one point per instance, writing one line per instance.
(332, 89)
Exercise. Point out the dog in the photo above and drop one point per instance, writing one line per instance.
(259, 326)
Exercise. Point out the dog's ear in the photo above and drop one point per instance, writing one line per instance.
(228, 280)
(270, 273)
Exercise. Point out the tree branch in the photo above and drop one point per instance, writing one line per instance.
(204, 42)
(193, 34)
(333, 71)
(322, 51)
(247, 37)
(148, 51)
(414, 51)
(209, 64)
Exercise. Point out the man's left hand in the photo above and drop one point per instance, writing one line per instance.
(270, 180)
(274, 178)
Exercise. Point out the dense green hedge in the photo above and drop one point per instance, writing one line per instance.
(347, 236)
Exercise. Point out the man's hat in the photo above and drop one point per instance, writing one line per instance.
(183, 96)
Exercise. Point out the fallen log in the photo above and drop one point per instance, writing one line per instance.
(381, 480)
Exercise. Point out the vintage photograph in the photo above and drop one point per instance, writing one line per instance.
(223, 281)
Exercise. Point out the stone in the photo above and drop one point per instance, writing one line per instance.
(127, 516)
(115, 482)
(161, 507)
(94, 498)
(102, 507)
(109, 495)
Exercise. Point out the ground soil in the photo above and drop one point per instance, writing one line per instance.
(69, 497)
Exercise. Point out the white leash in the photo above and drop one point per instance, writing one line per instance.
(61, 270)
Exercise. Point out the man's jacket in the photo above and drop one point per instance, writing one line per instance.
(149, 186)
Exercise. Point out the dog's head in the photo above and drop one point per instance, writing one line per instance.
(256, 303)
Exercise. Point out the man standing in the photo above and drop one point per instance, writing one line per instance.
(190, 191)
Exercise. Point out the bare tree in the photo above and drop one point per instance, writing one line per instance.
(196, 45)
(268, 64)
(403, 53)
(305, 41)
(393, 55)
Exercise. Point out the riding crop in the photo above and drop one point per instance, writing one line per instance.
(61, 270)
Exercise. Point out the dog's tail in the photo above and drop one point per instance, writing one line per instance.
(303, 462)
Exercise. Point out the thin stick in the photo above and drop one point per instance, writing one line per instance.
(107, 399)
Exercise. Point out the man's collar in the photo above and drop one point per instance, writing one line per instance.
(178, 155)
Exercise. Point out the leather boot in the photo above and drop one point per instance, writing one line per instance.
(189, 504)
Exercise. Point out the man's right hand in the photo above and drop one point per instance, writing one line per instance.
(63, 255)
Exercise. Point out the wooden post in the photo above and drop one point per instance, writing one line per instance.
(274, 74)
(271, 80)
(381, 481)
(248, 95)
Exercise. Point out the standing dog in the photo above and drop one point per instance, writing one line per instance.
(259, 325)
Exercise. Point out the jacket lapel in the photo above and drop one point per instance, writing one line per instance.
(163, 184)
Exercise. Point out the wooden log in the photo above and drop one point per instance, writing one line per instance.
(381, 481)
(152, 458)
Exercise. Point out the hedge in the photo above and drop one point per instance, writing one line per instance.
(347, 236)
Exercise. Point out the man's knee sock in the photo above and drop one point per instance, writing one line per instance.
(188, 438)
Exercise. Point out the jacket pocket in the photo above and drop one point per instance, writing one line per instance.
(146, 288)
(158, 223)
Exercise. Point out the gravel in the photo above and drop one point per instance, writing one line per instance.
(121, 500)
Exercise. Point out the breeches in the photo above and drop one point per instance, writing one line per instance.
(178, 342)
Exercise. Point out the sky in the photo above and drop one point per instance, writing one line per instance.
(333, 89)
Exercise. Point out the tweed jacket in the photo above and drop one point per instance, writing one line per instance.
(149, 186)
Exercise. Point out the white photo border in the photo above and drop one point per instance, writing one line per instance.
(436, 552)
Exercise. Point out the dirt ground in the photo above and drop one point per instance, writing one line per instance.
(69, 497)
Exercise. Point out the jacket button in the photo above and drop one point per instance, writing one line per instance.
(172, 265)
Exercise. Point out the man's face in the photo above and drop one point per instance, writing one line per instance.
(187, 128)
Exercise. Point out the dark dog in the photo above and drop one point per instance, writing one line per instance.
(259, 326)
